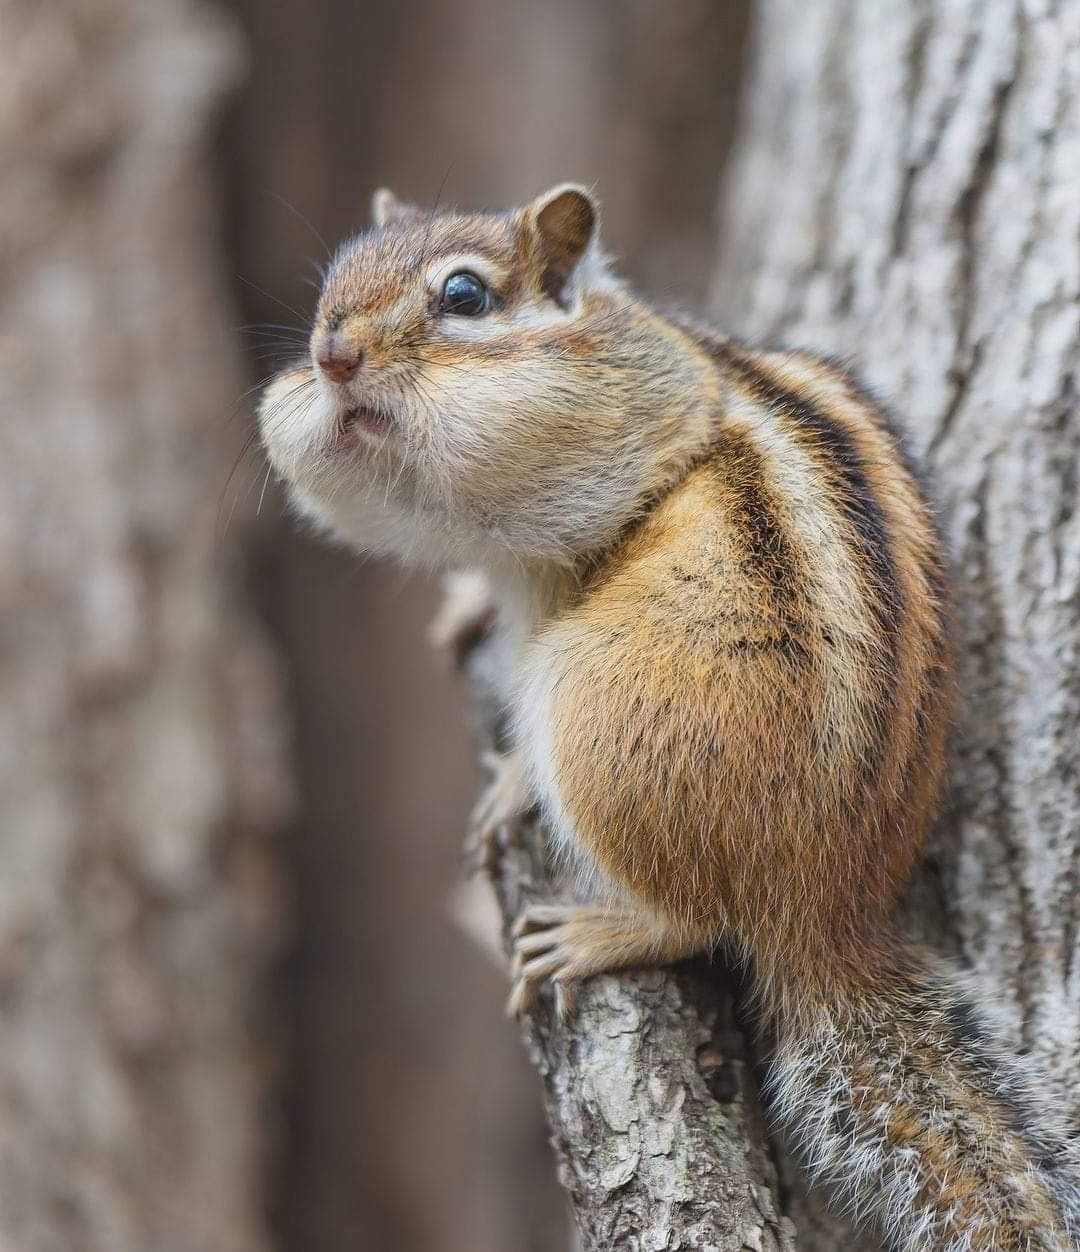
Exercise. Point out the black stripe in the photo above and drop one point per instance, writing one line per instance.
(858, 502)
(921, 480)
(886, 420)
(860, 508)
(767, 554)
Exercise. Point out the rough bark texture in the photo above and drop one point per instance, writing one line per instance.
(138, 752)
(904, 193)
(649, 1089)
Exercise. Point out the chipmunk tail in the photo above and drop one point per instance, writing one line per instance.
(899, 1098)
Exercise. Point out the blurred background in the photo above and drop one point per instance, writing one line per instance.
(234, 777)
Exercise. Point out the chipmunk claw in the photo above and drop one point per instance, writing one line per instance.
(567, 943)
(552, 944)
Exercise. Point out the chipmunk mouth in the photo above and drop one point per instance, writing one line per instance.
(363, 418)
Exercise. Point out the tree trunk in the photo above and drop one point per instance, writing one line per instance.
(139, 754)
(904, 193)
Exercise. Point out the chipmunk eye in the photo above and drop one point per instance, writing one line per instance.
(464, 294)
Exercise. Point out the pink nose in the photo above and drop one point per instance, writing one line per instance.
(337, 359)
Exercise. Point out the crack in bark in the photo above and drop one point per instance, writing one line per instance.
(999, 815)
(966, 357)
(916, 63)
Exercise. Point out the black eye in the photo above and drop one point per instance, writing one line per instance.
(464, 294)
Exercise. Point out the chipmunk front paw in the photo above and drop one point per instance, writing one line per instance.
(562, 943)
(565, 943)
(503, 801)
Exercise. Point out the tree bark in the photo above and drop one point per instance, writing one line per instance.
(139, 753)
(903, 193)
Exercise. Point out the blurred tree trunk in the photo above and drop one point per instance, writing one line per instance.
(139, 754)
(905, 190)
(414, 1120)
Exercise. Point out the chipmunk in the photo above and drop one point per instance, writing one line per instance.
(726, 602)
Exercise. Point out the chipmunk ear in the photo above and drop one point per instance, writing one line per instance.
(387, 208)
(564, 224)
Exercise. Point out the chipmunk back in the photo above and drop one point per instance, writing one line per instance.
(726, 602)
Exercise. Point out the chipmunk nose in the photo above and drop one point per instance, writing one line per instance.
(338, 359)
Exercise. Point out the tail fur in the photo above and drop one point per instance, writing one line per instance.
(903, 1103)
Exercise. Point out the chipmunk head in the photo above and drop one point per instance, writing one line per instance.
(477, 384)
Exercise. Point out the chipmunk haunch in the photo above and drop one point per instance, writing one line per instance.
(725, 601)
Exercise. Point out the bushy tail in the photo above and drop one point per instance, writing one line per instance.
(899, 1099)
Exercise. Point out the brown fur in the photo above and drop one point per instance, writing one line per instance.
(799, 748)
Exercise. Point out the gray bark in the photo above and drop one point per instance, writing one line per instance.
(139, 759)
(904, 193)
